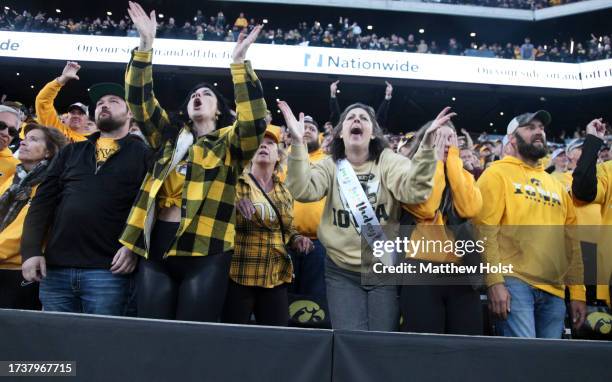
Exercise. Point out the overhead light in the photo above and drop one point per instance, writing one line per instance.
(501, 113)
(18, 73)
(276, 88)
(265, 21)
(545, 47)
(370, 27)
(109, 13)
(490, 123)
(338, 91)
(31, 86)
(454, 99)
(543, 99)
(87, 89)
(572, 47)
(600, 39)
(57, 10)
(161, 15)
(278, 100)
(421, 31)
(7, 8)
(215, 84)
(473, 34)
(278, 111)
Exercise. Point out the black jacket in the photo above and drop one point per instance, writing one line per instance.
(82, 210)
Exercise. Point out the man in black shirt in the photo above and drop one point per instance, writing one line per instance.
(80, 210)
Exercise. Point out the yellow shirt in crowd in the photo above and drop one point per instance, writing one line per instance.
(47, 115)
(105, 147)
(260, 258)
(467, 201)
(8, 163)
(308, 215)
(10, 237)
(542, 254)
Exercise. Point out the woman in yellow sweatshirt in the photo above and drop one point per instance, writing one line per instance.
(40, 145)
(445, 306)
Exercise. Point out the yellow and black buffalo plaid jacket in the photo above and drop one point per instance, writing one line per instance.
(260, 258)
(214, 163)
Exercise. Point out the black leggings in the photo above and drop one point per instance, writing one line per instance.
(444, 309)
(16, 293)
(270, 305)
(182, 288)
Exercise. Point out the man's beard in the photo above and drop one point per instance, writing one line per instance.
(109, 124)
(313, 144)
(529, 151)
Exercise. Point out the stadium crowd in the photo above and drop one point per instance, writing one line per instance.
(212, 213)
(513, 4)
(343, 34)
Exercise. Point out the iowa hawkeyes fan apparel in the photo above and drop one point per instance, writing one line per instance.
(260, 257)
(516, 194)
(387, 182)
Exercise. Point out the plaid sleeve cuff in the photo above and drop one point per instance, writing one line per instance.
(142, 56)
(243, 72)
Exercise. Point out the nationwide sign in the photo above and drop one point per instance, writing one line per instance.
(302, 59)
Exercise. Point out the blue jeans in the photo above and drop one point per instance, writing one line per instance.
(353, 306)
(78, 290)
(309, 272)
(533, 312)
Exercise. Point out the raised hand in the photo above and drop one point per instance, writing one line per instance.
(442, 119)
(69, 72)
(243, 44)
(333, 88)
(146, 25)
(296, 127)
(388, 90)
(597, 128)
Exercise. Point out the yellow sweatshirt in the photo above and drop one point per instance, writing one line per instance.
(8, 164)
(391, 180)
(466, 200)
(543, 253)
(308, 215)
(10, 237)
(47, 115)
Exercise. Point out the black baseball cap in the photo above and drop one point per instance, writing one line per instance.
(102, 89)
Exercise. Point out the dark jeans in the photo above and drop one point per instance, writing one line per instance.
(16, 293)
(79, 290)
(182, 288)
(309, 272)
(443, 309)
(270, 305)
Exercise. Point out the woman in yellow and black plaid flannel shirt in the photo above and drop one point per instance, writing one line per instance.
(261, 267)
(182, 222)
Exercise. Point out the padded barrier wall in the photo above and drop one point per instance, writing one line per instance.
(127, 349)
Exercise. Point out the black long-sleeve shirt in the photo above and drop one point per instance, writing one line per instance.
(82, 210)
(584, 183)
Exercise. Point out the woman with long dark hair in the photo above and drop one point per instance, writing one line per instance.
(182, 222)
(36, 151)
(364, 182)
